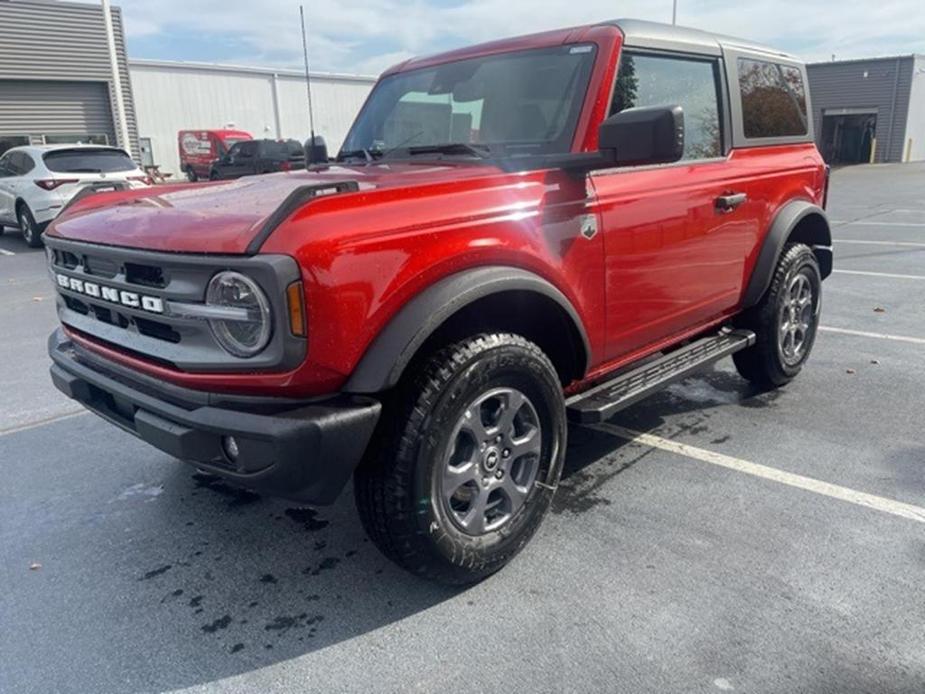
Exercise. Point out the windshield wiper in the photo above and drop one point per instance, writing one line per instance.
(368, 155)
(85, 171)
(480, 151)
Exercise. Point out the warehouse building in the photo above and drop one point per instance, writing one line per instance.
(267, 103)
(870, 111)
(63, 75)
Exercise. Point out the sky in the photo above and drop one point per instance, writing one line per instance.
(367, 36)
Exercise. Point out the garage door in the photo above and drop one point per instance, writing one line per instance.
(55, 109)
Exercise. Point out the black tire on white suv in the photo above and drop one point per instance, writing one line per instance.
(30, 229)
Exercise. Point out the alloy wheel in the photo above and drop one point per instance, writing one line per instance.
(795, 320)
(492, 461)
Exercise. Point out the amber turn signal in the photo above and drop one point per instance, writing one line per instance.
(296, 302)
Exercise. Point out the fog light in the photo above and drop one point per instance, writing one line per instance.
(230, 446)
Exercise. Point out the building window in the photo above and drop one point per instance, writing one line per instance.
(773, 99)
(650, 80)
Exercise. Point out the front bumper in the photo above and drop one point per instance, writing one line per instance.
(300, 450)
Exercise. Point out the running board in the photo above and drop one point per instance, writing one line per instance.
(603, 401)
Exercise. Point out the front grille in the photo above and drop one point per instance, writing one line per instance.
(145, 275)
(123, 297)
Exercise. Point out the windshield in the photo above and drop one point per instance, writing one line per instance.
(88, 161)
(521, 103)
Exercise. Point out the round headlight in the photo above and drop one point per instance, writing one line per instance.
(246, 331)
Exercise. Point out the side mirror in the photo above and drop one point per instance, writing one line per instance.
(652, 135)
(316, 151)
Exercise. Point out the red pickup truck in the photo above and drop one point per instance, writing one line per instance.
(514, 236)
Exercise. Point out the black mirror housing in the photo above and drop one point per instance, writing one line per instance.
(636, 136)
(316, 151)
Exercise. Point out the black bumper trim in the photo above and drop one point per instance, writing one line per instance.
(304, 451)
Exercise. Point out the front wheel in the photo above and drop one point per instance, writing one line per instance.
(191, 174)
(785, 321)
(466, 460)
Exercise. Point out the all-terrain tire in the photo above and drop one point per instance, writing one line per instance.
(772, 362)
(398, 486)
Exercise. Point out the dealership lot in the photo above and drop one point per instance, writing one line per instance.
(712, 538)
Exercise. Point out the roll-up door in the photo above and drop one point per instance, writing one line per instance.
(51, 108)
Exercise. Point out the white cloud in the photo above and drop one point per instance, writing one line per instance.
(368, 36)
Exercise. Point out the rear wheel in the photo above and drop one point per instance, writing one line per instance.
(213, 175)
(191, 174)
(30, 229)
(466, 460)
(785, 321)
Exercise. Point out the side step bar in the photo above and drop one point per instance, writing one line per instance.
(605, 400)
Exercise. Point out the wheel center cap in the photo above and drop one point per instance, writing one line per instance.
(491, 459)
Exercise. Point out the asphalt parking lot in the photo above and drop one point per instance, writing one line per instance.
(712, 538)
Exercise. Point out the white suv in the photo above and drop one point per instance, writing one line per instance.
(37, 182)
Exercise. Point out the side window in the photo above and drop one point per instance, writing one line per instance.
(773, 99)
(5, 166)
(691, 83)
(247, 149)
(235, 150)
(15, 164)
(25, 163)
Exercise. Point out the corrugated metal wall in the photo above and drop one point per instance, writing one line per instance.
(62, 41)
(170, 97)
(874, 84)
(55, 108)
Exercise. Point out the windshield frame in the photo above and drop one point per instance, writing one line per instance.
(569, 137)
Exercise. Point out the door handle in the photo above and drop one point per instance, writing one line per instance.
(727, 203)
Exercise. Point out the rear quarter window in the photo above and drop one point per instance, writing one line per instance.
(92, 161)
(773, 99)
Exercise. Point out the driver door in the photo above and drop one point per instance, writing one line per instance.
(674, 261)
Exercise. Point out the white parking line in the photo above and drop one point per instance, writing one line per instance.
(881, 243)
(879, 274)
(41, 422)
(869, 222)
(3, 251)
(834, 491)
(881, 336)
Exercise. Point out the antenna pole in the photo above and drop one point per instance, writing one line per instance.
(308, 78)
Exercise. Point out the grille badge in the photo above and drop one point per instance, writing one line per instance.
(152, 304)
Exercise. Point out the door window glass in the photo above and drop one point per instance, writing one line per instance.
(650, 80)
(247, 150)
(773, 99)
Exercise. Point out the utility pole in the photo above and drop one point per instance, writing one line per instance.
(674, 12)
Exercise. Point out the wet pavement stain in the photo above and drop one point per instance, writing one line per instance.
(195, 601)
(156, 572)
(307, 517)
(217, 625)
(284, 623)
(268, 578)
(721, 439)
(237, 647)
(237, 497)
(326, 564)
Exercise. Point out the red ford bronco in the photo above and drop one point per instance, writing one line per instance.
(513, 236)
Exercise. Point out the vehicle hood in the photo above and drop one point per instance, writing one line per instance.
(225, 217)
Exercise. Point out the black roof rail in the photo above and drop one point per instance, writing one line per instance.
(294, 201)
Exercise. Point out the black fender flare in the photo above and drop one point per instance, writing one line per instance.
(393, 348)
(785, 221)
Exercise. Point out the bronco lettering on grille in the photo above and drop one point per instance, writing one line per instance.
(152, 304)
